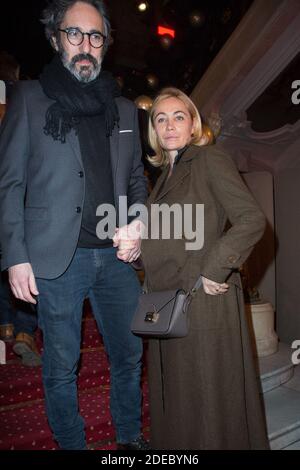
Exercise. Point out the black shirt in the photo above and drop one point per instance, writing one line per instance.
(95, 151)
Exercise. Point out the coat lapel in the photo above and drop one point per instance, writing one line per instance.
(158, 185)
(179, 172)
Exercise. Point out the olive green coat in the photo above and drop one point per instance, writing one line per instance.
(204, 391)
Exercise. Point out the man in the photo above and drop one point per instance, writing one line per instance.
(16, 320)
(68, 144)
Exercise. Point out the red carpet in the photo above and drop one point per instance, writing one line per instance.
(22, 412)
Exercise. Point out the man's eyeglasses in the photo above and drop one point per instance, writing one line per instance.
(76, 37)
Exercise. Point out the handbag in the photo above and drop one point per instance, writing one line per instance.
(164, 314)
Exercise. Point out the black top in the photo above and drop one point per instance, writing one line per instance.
(179, 154)
(95, 151)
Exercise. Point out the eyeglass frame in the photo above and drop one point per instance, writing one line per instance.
(67, 30)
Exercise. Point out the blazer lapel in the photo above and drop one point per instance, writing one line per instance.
(114, 152)
(114, 149)
(73, 140)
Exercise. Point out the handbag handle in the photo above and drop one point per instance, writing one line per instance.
(196, 286)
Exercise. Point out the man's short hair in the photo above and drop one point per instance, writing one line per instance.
(54, 14)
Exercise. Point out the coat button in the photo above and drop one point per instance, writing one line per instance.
(232, 259)
(80, 174)
(78, 210)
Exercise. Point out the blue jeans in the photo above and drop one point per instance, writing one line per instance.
(113, 288)
(25, 318)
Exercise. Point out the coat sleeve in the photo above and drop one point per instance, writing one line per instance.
(137, 189)
(247, 220)
(14, 151)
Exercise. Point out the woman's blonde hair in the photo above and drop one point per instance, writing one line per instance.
(161, 156)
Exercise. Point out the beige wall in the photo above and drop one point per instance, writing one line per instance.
(287, 220)
(261, 262)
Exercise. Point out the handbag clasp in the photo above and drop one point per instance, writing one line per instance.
(152, 317)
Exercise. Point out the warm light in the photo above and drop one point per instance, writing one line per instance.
(142, 6)
(152, 80)
(162, 31)
(143, 102)
(207, 137)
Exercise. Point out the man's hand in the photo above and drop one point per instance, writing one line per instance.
(128, 241)
(22, 282)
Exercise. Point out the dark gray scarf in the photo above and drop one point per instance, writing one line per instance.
(74, 99)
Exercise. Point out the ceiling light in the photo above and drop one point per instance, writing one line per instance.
(143, 6)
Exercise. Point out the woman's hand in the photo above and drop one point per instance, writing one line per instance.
(128, 241)
(214, 288)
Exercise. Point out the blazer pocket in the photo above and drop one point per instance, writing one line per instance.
(125, 136)
(36, 213)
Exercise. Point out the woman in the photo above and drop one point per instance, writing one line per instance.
(203, 388)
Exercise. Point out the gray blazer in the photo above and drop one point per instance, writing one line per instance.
(42, 183)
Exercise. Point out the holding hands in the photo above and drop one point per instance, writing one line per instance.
(128, 241)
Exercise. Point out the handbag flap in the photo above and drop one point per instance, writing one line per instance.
(157, 306)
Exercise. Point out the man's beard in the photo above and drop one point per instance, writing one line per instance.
(86, 73)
